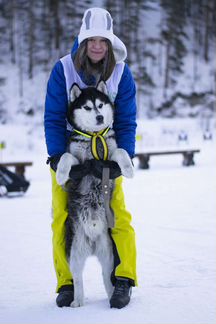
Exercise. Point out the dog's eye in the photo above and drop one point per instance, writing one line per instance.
(87, 108)
(100, 106)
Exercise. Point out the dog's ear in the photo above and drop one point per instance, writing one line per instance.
(75, 92)
(101, 86)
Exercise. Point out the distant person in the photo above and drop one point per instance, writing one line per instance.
(96, 54)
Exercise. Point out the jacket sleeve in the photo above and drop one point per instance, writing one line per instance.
(125, 113)
(55, 112)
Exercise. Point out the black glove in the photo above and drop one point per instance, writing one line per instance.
(92, 166)
(98, 165)
(53, 161)
(79, 171)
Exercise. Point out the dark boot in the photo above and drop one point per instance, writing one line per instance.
(65, 296)
(122, 292)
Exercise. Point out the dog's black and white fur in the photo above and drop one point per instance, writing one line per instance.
(90, 110)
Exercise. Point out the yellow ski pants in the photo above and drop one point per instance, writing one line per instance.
(122, 234)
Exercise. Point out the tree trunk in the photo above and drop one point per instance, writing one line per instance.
(206, 36)
(57, 24)
(166, 79)
(12, 33)
(31, 40)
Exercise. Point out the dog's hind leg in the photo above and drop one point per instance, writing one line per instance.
(77, 266)
(104, 253)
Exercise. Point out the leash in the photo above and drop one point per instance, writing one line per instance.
(94, 137)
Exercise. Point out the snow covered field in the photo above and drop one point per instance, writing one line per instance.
(174, 215)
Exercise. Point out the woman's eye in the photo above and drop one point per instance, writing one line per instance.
(100, 106)
(87, 108)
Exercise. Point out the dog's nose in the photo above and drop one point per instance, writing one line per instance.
(99, 119)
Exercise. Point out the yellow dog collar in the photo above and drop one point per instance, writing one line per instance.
(95, 136)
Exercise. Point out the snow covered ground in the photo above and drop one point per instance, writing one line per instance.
(174, 215)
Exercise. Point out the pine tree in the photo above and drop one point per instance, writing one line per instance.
(173, 36)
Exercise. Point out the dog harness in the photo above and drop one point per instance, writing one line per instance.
(97, 142)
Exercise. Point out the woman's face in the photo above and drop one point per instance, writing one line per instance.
(96, 49)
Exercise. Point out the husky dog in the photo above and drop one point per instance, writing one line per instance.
(90, 112)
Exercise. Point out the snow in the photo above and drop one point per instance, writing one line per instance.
(173, 210)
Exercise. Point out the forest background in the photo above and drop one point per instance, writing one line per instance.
(171, 51)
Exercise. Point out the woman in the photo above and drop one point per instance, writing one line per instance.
(97, 54)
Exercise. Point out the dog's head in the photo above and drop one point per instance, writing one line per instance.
(90, 109)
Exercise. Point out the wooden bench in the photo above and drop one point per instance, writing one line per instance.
(19, 166)
(188, 156)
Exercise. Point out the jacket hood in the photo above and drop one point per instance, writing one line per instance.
(98, 22)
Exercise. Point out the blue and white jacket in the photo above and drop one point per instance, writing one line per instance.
(121, 89)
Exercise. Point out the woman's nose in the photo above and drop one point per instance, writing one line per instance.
(97, 44)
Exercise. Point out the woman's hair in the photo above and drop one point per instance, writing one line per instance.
(101, 70)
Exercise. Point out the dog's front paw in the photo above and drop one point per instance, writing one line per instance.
(122, 158)
(77, 303)
(64, 166)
